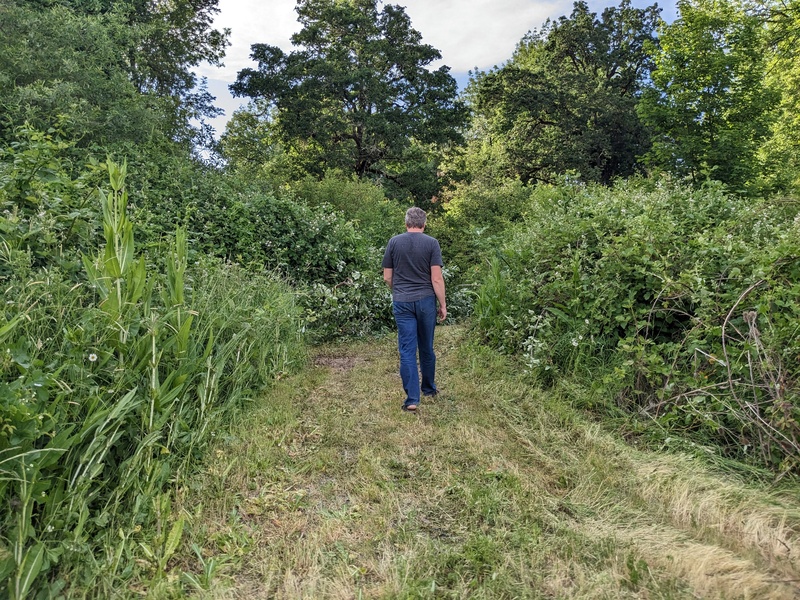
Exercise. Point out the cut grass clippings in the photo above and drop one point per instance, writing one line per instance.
(493, 490)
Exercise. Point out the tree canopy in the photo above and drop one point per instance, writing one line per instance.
(566, 101)
(358, 92)
(710, 106)
(780, 154)
(109, 71)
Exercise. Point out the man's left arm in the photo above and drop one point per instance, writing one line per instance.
(387, 276)
(437, 280)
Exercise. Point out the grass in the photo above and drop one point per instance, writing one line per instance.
(111, 383)
(494, 490)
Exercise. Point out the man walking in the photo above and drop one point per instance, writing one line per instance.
(412, 268)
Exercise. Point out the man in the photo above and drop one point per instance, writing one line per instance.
(412, 268)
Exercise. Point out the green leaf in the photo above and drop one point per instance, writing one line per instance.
(8, 327)
(173, 539)
(28, 571)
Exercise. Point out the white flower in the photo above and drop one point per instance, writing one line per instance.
(92, 357)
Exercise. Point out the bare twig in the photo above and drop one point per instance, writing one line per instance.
(724, 326)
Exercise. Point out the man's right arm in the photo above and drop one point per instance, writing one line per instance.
(437, 279)
(388, 266)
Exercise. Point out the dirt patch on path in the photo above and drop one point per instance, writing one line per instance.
(339, 364)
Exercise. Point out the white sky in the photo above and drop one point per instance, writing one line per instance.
(468, 33)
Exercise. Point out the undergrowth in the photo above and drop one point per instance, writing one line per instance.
(680, 305)
(115, 374)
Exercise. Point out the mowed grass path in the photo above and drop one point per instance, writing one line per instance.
(494, 490)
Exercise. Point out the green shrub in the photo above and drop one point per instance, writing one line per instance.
(330, 255)
(358, 303)
(334, 268)
(474, 219)
(112, 382)
(48, 212)
(682, 303)
(361, 202)
(470, 227)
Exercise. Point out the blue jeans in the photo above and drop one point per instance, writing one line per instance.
(415, 324)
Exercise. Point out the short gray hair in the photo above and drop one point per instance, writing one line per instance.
(415, 217)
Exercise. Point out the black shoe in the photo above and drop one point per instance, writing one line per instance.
(410, 407)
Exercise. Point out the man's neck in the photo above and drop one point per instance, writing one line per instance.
(415, 229)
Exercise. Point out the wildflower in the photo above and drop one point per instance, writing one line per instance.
(93, 357)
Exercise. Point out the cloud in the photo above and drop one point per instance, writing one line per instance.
(251, 22)
(478, 33)
(468, 33)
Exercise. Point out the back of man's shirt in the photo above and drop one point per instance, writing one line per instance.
(411, 255)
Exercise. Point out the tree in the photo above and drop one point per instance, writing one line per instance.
(160, 42)
(115, 70)
(566, 101)
(358, 93)
(709, 104)
(781, 151)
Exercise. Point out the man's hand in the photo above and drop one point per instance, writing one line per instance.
(442, 312)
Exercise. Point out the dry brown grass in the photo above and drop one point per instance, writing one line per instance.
(492, 491)
(742, 519)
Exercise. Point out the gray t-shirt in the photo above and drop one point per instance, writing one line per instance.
(411, 256)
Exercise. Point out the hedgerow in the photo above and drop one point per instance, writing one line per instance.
(682, 304)
(324, 237)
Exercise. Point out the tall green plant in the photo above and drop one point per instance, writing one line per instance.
(111, 385)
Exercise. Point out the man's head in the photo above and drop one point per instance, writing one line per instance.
(415, 218)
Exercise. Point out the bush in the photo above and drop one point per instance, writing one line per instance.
(474, 219)
(362, 203)
(470, 227)
(112, 381)
(683, 303)
(331, 256)
(48, 213)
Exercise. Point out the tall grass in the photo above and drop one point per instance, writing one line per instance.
(112, 382)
